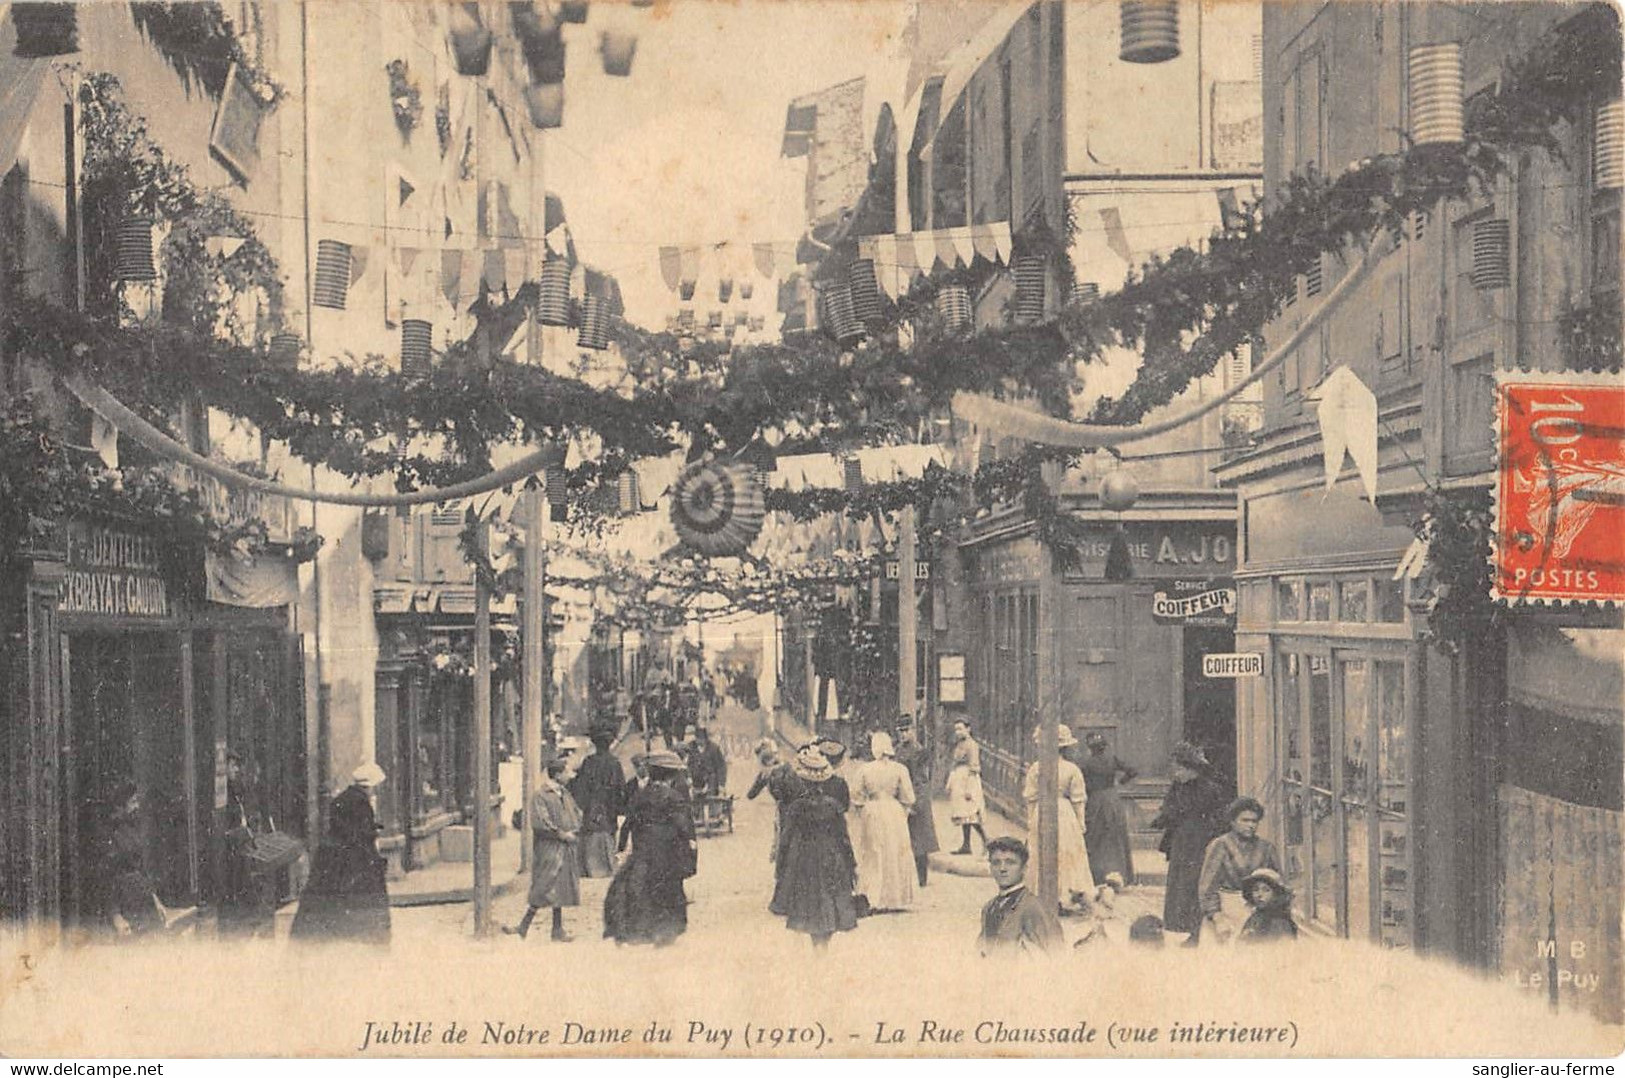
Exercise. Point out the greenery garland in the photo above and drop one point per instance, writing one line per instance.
(200, 42)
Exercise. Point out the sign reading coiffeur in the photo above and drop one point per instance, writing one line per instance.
(112, 573)
(1207, 602)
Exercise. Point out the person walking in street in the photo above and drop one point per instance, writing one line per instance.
(922, 821)
(347, 899)
(1189, 820)
(555, 858)
(645, 902)
(884, 796)
(247, 897)
(769, 764)
(707, 767)
(965, 801)
(1111, 856)
(813, 891)
(1014, 921)
(1077, 885)
(629, 793)
(596, 789)
(1230, 860)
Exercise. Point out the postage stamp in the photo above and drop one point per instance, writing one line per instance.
(1560, 487)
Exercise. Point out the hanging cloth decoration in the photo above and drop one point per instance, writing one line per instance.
(1348, 426)
(717, 508)
(1116, 237)
(689, 276)
(671, 264)
(762, 255)
(470, 40)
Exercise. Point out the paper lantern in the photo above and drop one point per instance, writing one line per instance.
(953, 305)
(865, 287)
(332, 284)
(285, 350)
(1608, 148)
(470, 40)
(417, 353)
(594, 324)
(531, 23)
(717, 508)
(553, 292)
(746, 290)
(545, 57)
(1492, 254)
(573, 11)
(725, 289)
(545, 104)
(1085, 292)
(1029, 272)
(1118, 490)
(852, 474)
(45, 29)
(627, 498)
(618, 48)
(840, 319)
(1150, 31)
(134, 259)
(1436, 94)
(553, 487)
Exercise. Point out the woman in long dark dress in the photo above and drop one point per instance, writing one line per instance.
(1104, 815)
(645, 902)
(346, 898)
(817, 868)
(1192, 816)
(247, 898)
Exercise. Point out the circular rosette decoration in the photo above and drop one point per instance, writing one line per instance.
(717, 508)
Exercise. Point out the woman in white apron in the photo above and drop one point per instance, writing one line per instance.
(965, 802)
(1077, 883)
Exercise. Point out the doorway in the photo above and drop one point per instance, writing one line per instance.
(1210, 703)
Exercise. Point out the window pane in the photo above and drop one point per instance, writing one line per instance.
(1390, 600)
(1354, 600)
(1472, 408)
(1355, 787)
(1287, 604)
(1320, 600)
(1393, 760)
(1293, 768)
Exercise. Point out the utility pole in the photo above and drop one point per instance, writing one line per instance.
(482, 595)
(535, 654)
(1049, 742)
(907, 613)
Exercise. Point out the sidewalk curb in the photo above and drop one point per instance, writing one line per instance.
(454, 895)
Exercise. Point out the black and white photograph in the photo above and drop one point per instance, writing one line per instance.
(808, 529)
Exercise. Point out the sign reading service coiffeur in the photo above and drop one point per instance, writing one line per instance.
(1206, 602)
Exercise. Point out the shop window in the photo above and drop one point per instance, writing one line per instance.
(1295, 850)
(1354, 600)
(1321, 807)
(1289, 600)
(1319, 601)
(1390, 600)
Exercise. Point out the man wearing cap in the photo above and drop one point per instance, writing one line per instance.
(555, 868)
(707, 767)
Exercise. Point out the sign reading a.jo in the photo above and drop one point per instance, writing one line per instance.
(1238, 664)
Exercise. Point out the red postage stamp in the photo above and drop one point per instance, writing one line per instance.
(1560, 488)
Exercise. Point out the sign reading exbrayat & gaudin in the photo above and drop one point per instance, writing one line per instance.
(112, 572)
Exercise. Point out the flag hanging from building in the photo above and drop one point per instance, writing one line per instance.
(1348, 427)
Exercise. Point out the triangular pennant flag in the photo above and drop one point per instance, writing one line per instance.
(883, 252)
(964, 245)
(690, 272)
(558, 240)
(1001, 241)
(671, 263)
(451, 274)
(513, 259)
(222, 246)
(1116, 238)
(358, 261)
(104, 439)
(944, 247)
(908, 266)
(404, 191)
(1348, 425)
(981, 238)
(762, 255)
(409, 259)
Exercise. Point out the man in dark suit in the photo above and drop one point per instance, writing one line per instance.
(1015, 920)
(707, 767)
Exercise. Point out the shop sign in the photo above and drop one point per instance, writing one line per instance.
(1020, 561)
(922, 570)
(112, 573)
(1233, 664)
(1176, 550)
(1209, 602)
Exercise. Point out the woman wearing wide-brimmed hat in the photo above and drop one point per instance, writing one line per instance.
(1191, 816)
(645, 902)
(1077, 884)
(1111, 856)
(346, 898)
(884, 794)
(817, 868)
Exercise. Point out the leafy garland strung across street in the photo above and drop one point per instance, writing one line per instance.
(200, 42)
(1219, 299)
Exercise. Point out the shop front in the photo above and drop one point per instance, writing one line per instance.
(1128, 655)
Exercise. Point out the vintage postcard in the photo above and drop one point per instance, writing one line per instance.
(811, 528)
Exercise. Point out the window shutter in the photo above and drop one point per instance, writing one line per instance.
(1313, 279)
(1492, 246)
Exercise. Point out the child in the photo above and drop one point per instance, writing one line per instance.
(1015, 919)
(1271, 900)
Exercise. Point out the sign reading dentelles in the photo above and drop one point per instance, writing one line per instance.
(112, 573)
(1238, 664)
(1559, 488)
